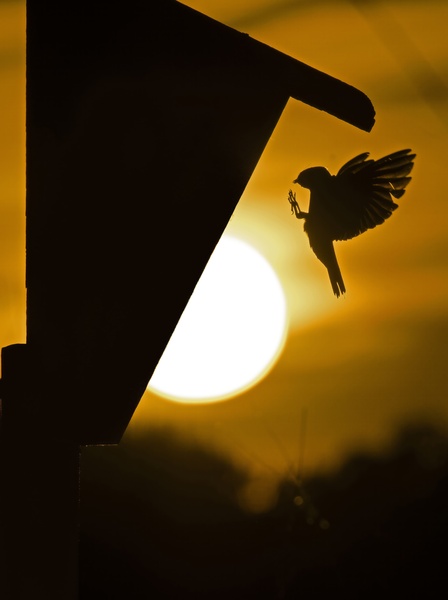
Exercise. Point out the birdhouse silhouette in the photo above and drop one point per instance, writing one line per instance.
(145, 121)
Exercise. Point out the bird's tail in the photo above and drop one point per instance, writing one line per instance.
(324, 250)
(334, 272)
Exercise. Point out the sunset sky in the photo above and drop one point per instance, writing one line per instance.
(354, 368)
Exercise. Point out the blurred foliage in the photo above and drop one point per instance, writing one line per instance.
(160, 519)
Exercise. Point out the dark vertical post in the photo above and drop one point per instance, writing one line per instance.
(39, 491)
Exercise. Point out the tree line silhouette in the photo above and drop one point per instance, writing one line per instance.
(160, 519)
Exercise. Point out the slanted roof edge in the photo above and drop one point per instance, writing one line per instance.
(299, 80)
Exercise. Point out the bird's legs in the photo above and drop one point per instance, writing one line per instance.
(295, 208)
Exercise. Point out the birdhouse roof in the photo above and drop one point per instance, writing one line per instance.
(299, 80)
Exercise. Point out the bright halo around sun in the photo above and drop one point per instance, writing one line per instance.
(231, 332)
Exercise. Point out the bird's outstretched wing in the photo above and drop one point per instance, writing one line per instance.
(364, 191)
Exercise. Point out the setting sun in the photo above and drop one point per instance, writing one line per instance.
(231, 331)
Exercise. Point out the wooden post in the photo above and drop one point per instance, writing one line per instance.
(39, 493)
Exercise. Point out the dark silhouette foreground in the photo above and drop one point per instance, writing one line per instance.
(360, 197)
(160, 520)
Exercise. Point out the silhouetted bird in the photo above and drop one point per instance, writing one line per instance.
(342, 206)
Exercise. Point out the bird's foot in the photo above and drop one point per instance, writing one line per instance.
(295, 208)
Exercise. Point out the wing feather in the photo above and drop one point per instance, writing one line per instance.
(354, 163)
(364, 190)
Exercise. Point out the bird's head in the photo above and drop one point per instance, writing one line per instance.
(310, 178)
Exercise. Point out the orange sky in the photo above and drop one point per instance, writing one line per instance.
(358, 366)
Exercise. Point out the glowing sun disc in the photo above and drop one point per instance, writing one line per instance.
(231, 331)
